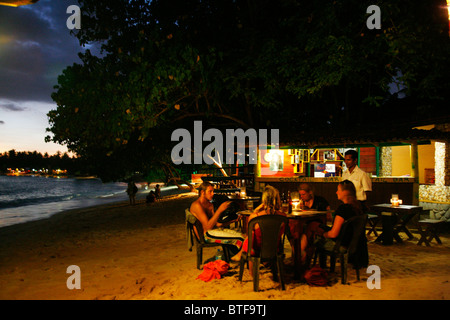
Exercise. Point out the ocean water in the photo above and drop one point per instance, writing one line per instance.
(27, 198)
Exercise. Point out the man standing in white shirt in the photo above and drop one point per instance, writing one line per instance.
(360, 179)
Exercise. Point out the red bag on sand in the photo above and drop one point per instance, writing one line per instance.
(316, 277)
(213, 270)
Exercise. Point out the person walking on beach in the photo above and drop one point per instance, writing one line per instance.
(158, 192)
(131, 191)
(214, 231)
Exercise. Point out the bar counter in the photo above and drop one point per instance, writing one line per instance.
(382, 187)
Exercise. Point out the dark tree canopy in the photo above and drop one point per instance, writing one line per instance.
(297, 66)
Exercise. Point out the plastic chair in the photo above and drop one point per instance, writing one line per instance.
(194, 229)
(356, 248)
(271, 228)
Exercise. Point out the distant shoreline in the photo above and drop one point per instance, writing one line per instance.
(47, 175)
(75, 177)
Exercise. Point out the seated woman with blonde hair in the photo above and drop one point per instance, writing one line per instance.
(270, 204)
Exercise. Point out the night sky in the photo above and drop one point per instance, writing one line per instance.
(35, 46)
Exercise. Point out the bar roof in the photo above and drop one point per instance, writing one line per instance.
(393, 137)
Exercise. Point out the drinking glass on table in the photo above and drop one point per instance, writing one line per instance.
(302, 205)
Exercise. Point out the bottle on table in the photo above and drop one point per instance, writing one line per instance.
(289, 201)
(284, 204)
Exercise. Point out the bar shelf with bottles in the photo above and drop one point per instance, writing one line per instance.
(285, 164)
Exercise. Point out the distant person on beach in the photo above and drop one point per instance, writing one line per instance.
(151, 197)
(132, 190)
(214, 231)
(158, 192)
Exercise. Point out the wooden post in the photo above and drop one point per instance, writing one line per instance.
(377, 155)
(359, 155)
(257, 170)
(415, 172)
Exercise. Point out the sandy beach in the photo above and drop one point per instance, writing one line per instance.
(140, 253)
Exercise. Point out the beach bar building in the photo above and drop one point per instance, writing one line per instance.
(413, 163)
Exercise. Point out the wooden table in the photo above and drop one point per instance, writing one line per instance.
(394, 220)
(297, 221)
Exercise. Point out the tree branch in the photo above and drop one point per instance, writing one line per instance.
(219, 115)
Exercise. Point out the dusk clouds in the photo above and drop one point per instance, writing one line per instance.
(35, 47)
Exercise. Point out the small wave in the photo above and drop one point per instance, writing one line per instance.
(26, 202)
(107, 195)
(28, 198)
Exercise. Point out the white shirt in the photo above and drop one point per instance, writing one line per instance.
(361, 181)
